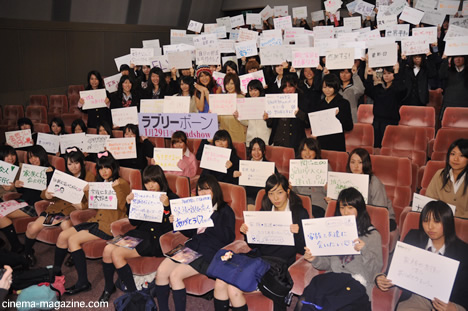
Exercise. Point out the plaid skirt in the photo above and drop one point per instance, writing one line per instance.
(30, 210)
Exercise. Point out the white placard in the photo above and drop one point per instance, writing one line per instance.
(430, 33)
(253, 19)
(168, 158)
(255, 173)
(324, 45)
(247, 35)
(459, 21)
(271, 41)
(67, 187)
(270, 228)
(251, 108)
(141, 56)
(123, 116)
(291, 33)
(267, 12)
(176, 104)
(339, 181)
(8, 173)
(205, 40)
(426, 5)
(151, 105)
(33, 176)
(456, 46)
(411, 15)
(245, 79)
(112, 82)
(352, 22)
(359, 48)
(383, 55)
(122, 148)
(364, 8)
(224, 21)
(351, 5)
(222, 104)
(10, 206)
(180, 60)
(102, 196)
(219, 78)
(192, 213)
(246, 48)
(305, 57)
(146, 206)
(425, 273)
(226, 46)
(324, 32)
(305, 40)
(380, 41)
(161, 62)
(385, 21)
(122, 60)
(455, 31)
(414, 46)
(282, 22)
(433, 17)
(70, 141)
(300, 12)
(332, 5)
(221, 32)
(317, 16)
(396, 7)
(331, 235)
(281, 105)
(50, 142)
(151, 44)
(225, 59)
(398, 31)
(325, 122)
(237, 21)
(419, 201)
(272, 55)
(215, 158)
(94, 98)
(281, 10)
(195, 26)
(342, 58)
(449, 7)
(308, 172)
(94, 143)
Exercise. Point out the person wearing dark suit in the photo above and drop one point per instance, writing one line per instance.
(436, 234)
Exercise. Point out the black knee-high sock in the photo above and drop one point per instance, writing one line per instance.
(80, 264)
(242, 308)
(162, 295)
(28, 245)
(12, 237)
(126, 276)
(59, 257)
(180, 299)
(108, 269)
(221, 305)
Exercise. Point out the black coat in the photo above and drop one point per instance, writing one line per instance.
(418, 86)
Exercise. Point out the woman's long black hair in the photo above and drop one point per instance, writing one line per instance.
(462, 144)
(351, 196)
(440, 212)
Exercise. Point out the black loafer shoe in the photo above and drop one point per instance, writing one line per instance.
(31, 259)
(75, 290)
(105, 296)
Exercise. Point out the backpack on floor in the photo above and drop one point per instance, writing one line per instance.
(23, 279)
(138, 300)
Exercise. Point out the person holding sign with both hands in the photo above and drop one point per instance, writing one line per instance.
(436, 234)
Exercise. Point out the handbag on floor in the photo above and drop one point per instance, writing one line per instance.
(138, 300)
(277, 283)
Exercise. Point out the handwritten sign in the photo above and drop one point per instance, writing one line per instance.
(419, 201)
(180, 60)
(124, 116)
(342, 58)
(255, 173)
(383, 55)
(429, 33)
(339, 181)
(141, 56)
(224, 21)
(208, 56)
(33, 176)
(226, 46)
(253, 19)
(317, 16)
(168, 158)
(272, 55)
(281, 105)
(414, 46)
(8, 173)
(122, 148)
(397, 31)
(267, 12)
(237, 21)
(305, 57)
(364, 8)
(215, 158)
(299, 12)
(176, 35)
(112, 82)
(162, 62)
(282, 22)
(425, 5)
(245, 79)
(195, 26)
(246, 48)
(456, 46)
(332, 5)
(50, 142)
(396, 7)
(325, 122)
(19, 139)
(251, 108)
(425, 273)
(10, 206)
(325, 45)
(271, 228)
(70, 141)
(146, 206)
(176, 104)
(192, 213)
(449, 7)
(67, 187)
(122, 60)
(223, 104)
(151, 105)
(331, 235)
(219, 78)
(94, 99)
(352, 22)
(385, 21)
(94, 143)
(102, 196)
(247, 35)
(281, 10)
(411, 15)
(433, 17)
(308, 172)
(195, 125)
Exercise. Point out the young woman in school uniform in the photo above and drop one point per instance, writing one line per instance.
(236, 129)
(188, 164)
(436, 234)
(206, 242)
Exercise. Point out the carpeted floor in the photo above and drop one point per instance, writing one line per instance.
(45, 255)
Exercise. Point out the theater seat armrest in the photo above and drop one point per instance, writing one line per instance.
(302, 273)
(121, 226)
(78, 217)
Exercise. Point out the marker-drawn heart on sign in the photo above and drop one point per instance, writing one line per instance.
(110, 198)
(91, 197)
